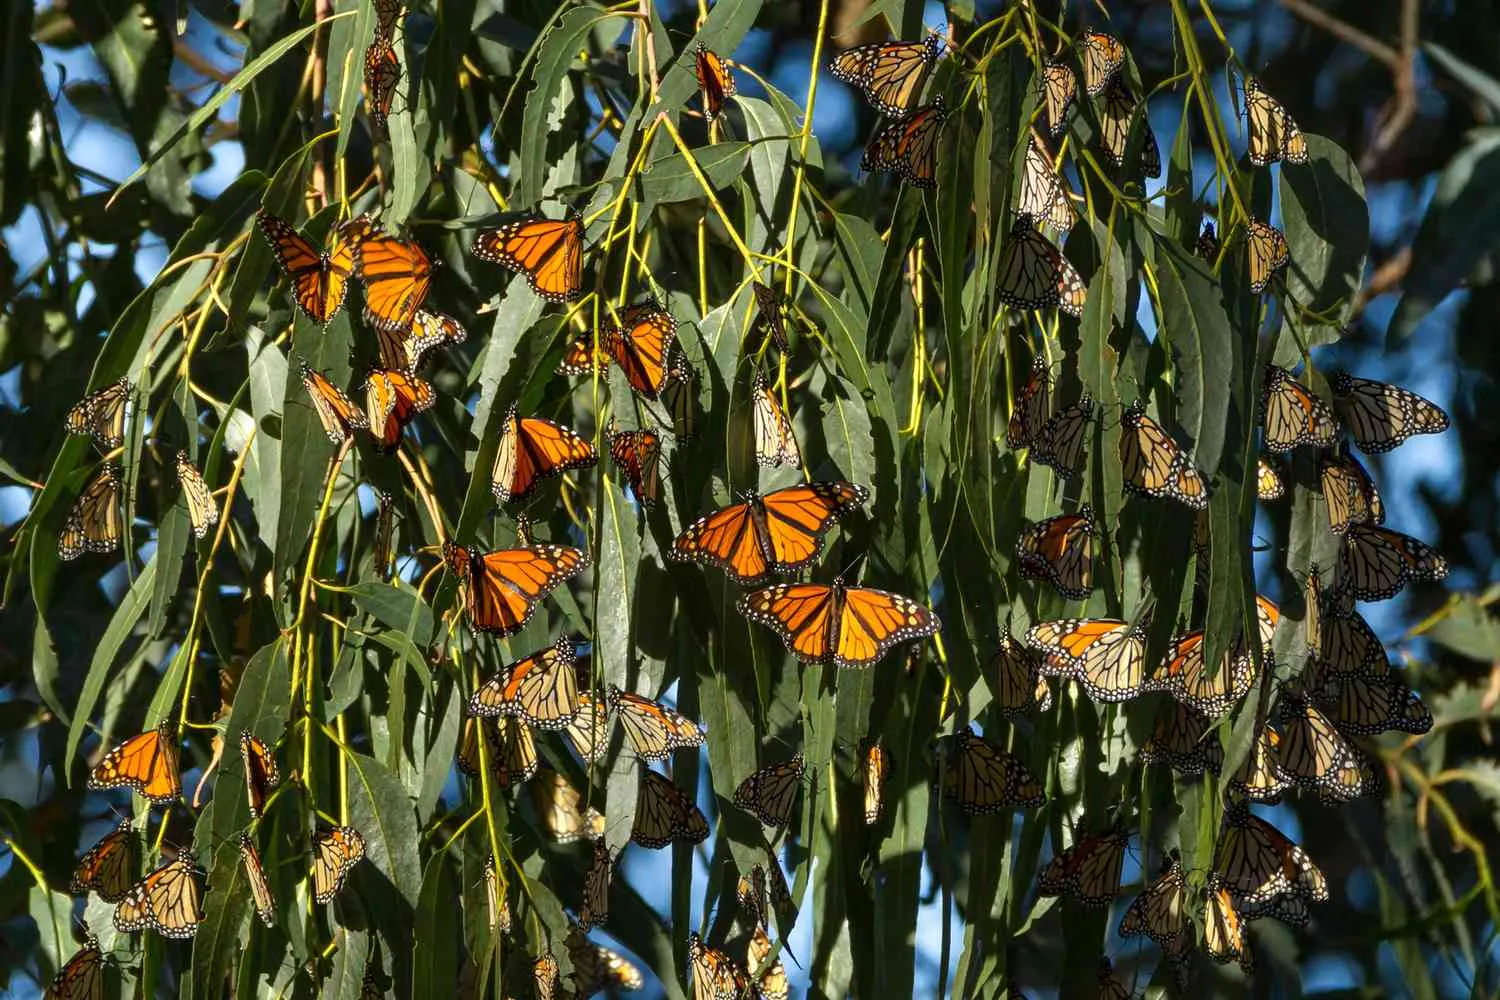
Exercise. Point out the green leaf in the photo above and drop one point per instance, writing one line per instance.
(121, 624)
(1194, 325)
(436, 952)
(1328, 236)
(671, 178)
(554, 56)
(380, 809)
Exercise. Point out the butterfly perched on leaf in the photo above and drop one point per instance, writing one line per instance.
(146, 763)
(109, 867)
(652, 730)
(1059, 443)
(1224, 926)
(1273, 134)
(533, 450)
(1059, 551)
(597, 968)
(503, 588)
(1266, 251)
(1268, 482)
(1293, 414)
(640, 342)
(832, 623)
(1259, 864)
(397, 275)
(874, 773)
(509, 750)
(261, 772)
(1348, 491)
(403, 349)
(494, 896)
(637, 454)
(336, 411)
(168, 901)
(1160, 912)
(1043, 193)
(1187, 676)
(1034, 274)
(1015, 679)
(1089, 871)
(548, 252)
(540, 689)
(766, 970)
(94, 523)
(681, 400)
(889, 74)
(781, 531)
(382, 75)
(1380, 416)
(260, 886)
(715, 80)
(1107, 656)
(1101, 56)
(1059, 88)
(664, 813)
(771, 314)
(1376, 562)
(1369, 704)
(1315, 755)
(544, 977)
(981, 777)
(203, 515)
(392, 401)
(1260, 778)
(81, 977)
(770, 792)
(589, 730)
(775, 441)
(561, 808)
(594, 910)
(1181, 739)
(101, 414)
(1154, 465)
(335, 853)
(1032, 408)
(714, 974)
(908, 148)
(320, 278)
(1117, 115)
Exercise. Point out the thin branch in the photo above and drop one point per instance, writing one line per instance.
(1345, 32)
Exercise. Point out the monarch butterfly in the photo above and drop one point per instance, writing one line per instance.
(1207, 246)
(533, 450)
(494, 895)
(775, 441)
(548, 252)
(1349, 645)
(589, 730)
(335, 853)
(169, 900)
(1059, 444)
(1315, 755)
(561, 809)
(396, 275)
(874, 773)
(336, 412)
(1102, 56)
(1348, 491)
(714, 79)
(386, 14)
(1089, 871)
(1058, 89)
(681, 401)
(1044, 195)
(652, 729)
(1181, 740)
(1259, 864)
(392, 400)
(664, 813)
(544, 977)
(1031, 268)
(1312, 618)
(770, 791)
(202, 513)
(596, 968)
(82, 978)
(382, 74)
(1378, 562)
(715, 974)
(1379, 416)
(781, 531)
(1268, 482)
(1110, 987)
(1106, 656)
(1293, 415)
(1160, 912)
(320, 278)
(504, 587)
(1058, 550)
(1018, 687)
(637, 454)
(146, 762)
(770, 313)
(1372, 703)
(541, 689)
(1116, 119)
(108, 867)
(403, 349)
(1267, 251)
(1224, 927)
(640, 343)
(1185, 675)
(1273, 134)
(831, 623)
(595, 908)
(750, 892)
(1260, 777)
(889, 74)
(509, 745)
(260, 888)
(766, 970)
(101, 414)
(94, 522)
(1033, 407)
(261, 773)
(1154, 465)
(983, 778)
(909, 148)
(384, 557)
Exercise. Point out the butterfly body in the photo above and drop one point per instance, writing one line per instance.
(889, 74)
(504, 587)
(831, 623)
(548, 252)
(531, 451)
(781, 531)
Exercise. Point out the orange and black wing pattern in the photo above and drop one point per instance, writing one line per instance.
(336, 411)
(639, 343)
(846, 626)
(503, 588)
(782, 531)
(146, 763)
(533, 450)
(908, 148)
(637, 454)
(548, 252)
(715, 80)
(261, 773)
(396, 274)
(320, 280)
(392, 400)
(109, 867)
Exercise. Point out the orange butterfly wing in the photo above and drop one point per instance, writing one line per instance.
(146, 762)
(639, 345)
(714, 80)
(797, 519)
(800, 613)
(392, 400)
(338, 414)
(548, 252)
(382, 73)
(638, 455)
(505, 586)
(531, 450)
(728, 540)
(872, 621)
(319, 280)
(396, 275)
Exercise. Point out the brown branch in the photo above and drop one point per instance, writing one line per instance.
(1345, 32)
(322, 11)
(1386, 278)
(197, 63)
